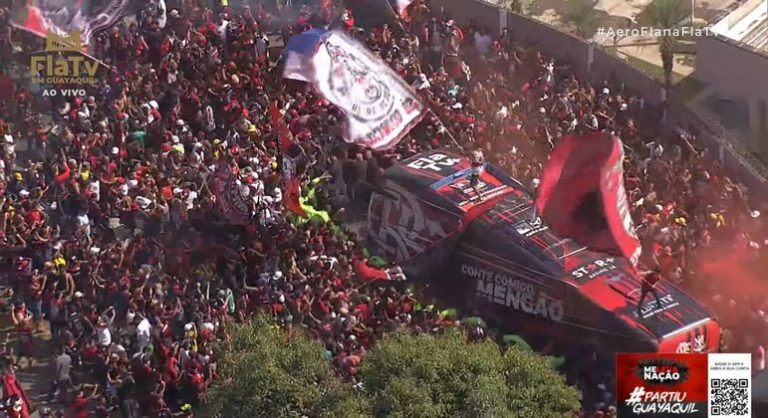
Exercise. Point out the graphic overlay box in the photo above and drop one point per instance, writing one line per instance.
(63, 68)
(656, 385)
(730, 385)
(683, 385)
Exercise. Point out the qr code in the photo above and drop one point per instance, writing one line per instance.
(729, 397)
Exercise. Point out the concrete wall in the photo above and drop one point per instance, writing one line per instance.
(610, 67)
(731, 67)
(728, 151)
(737, 71)
(556, 43)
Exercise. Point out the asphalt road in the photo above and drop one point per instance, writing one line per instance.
(36, 378)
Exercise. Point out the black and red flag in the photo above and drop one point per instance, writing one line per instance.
(582, 195)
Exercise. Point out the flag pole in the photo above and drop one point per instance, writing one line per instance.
(445, 129)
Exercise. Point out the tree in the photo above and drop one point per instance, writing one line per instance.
(269, 372)
(446, 376)
(665, 15)
(516, 6)
(580, 14)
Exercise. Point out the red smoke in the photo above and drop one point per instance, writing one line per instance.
(732, 282)
(733, 271)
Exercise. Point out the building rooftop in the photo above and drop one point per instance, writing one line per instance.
(747, 24)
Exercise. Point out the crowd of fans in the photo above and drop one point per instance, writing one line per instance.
(112, 235)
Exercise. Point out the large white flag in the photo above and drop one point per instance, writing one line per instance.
(380, 107)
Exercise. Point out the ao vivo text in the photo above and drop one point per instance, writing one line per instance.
(64, 92)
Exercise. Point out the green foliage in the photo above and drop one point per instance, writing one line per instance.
(581, 14)
(516, 6)
(667, 14)
(435, 377)
(268, 372)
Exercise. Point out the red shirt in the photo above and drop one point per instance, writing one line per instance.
(36, 290)
(167, 192)
(34, 216)
(80, 407)
(367, 272)
(64, 175)
(172, 370)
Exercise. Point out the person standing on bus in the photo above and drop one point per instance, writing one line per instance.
(650, 280)
(477, 160)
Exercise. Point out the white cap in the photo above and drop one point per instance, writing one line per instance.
(177, 190)
(175, 139)
(95, 250)
(115, 150)
(9, 139)
(23, 193)
(132, 183)
(143, 201)
(754, 214)
(606, 90)
(188, 327)
(79, 294)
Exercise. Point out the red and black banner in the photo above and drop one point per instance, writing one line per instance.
(582, 196)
